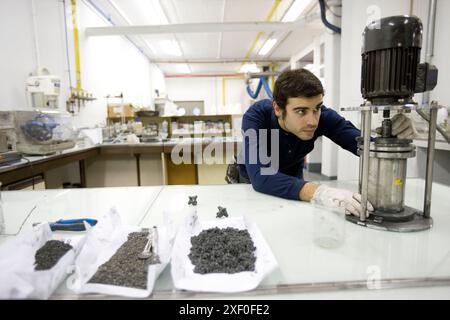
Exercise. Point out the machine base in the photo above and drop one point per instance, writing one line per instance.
(417, 223)
(407, 214)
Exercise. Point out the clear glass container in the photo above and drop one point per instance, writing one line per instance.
(328, 226)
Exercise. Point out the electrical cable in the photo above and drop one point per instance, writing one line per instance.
(323, 16)
(332, 12)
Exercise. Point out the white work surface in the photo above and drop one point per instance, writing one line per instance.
(410, 265)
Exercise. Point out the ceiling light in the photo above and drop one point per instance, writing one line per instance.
(158, 12)
(249, 67)
(183, 68)
(171, 47)
(295, 10)
(116, 7)
(267, 47)
(150, 46)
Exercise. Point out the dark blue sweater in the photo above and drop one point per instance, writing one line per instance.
(288, 180)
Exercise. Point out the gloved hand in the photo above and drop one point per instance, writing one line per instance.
(340, 198)
(402, 127)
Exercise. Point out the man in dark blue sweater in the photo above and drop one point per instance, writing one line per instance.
(279, 134)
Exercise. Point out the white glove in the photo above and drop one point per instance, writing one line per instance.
(340, 198)
(403, 127)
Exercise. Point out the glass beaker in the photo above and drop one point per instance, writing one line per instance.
(328, 226)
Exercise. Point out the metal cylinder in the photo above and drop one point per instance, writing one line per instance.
(387, 173)
(387, 184)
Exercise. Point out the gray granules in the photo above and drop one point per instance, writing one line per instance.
(49, 254)
(222, 251)
(124, 268)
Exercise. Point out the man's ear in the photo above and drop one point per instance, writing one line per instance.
(277, 109)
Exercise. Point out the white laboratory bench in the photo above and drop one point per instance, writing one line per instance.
(410, 265)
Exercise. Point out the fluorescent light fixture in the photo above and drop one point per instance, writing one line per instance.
(150, 46)
(267, 47)
(151, 12)
(158, 12)
(171, 47)
(249, 67)
(295, 10)
(183, 68)
(120, 11)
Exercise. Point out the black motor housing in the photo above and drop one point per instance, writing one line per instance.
(390, 61)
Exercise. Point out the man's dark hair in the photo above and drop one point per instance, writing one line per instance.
(295, 84)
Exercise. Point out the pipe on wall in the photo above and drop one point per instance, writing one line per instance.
(36, 40)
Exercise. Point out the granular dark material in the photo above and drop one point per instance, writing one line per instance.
(218, 250)
(124, 268)
(49, 254)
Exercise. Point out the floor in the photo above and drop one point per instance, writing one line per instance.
(313, 176)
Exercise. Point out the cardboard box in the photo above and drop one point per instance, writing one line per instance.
(119, 110)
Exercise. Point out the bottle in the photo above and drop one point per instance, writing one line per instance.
(2, 218)
(164, 130)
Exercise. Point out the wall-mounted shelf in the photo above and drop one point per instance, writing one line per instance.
(187, 126)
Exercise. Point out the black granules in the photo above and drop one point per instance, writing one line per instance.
(49, 254)
(223, 251)
(124, 268)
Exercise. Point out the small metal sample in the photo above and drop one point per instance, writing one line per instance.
(222, 212)
(192, 200)
(146, 253)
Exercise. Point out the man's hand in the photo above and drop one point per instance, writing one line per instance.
(402, 127)
(335, 198)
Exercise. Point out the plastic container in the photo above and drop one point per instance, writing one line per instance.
(328, 226)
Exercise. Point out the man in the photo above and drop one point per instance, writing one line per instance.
(298, 113)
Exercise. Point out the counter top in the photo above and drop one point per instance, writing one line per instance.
(408, 264)
(439, 144)
(134, 147)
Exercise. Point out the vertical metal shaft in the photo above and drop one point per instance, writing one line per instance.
(430, 159)
(360, 156)
(367, 117)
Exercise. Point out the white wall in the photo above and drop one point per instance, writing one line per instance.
(441, 52)
(332, 58)
(210, 90)
(18, 55)
(109, 65)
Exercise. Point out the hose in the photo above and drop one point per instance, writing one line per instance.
(323, 16)
(262, 82)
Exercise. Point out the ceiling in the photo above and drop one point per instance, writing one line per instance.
(204, 51)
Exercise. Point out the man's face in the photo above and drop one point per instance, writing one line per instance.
(302, 116)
